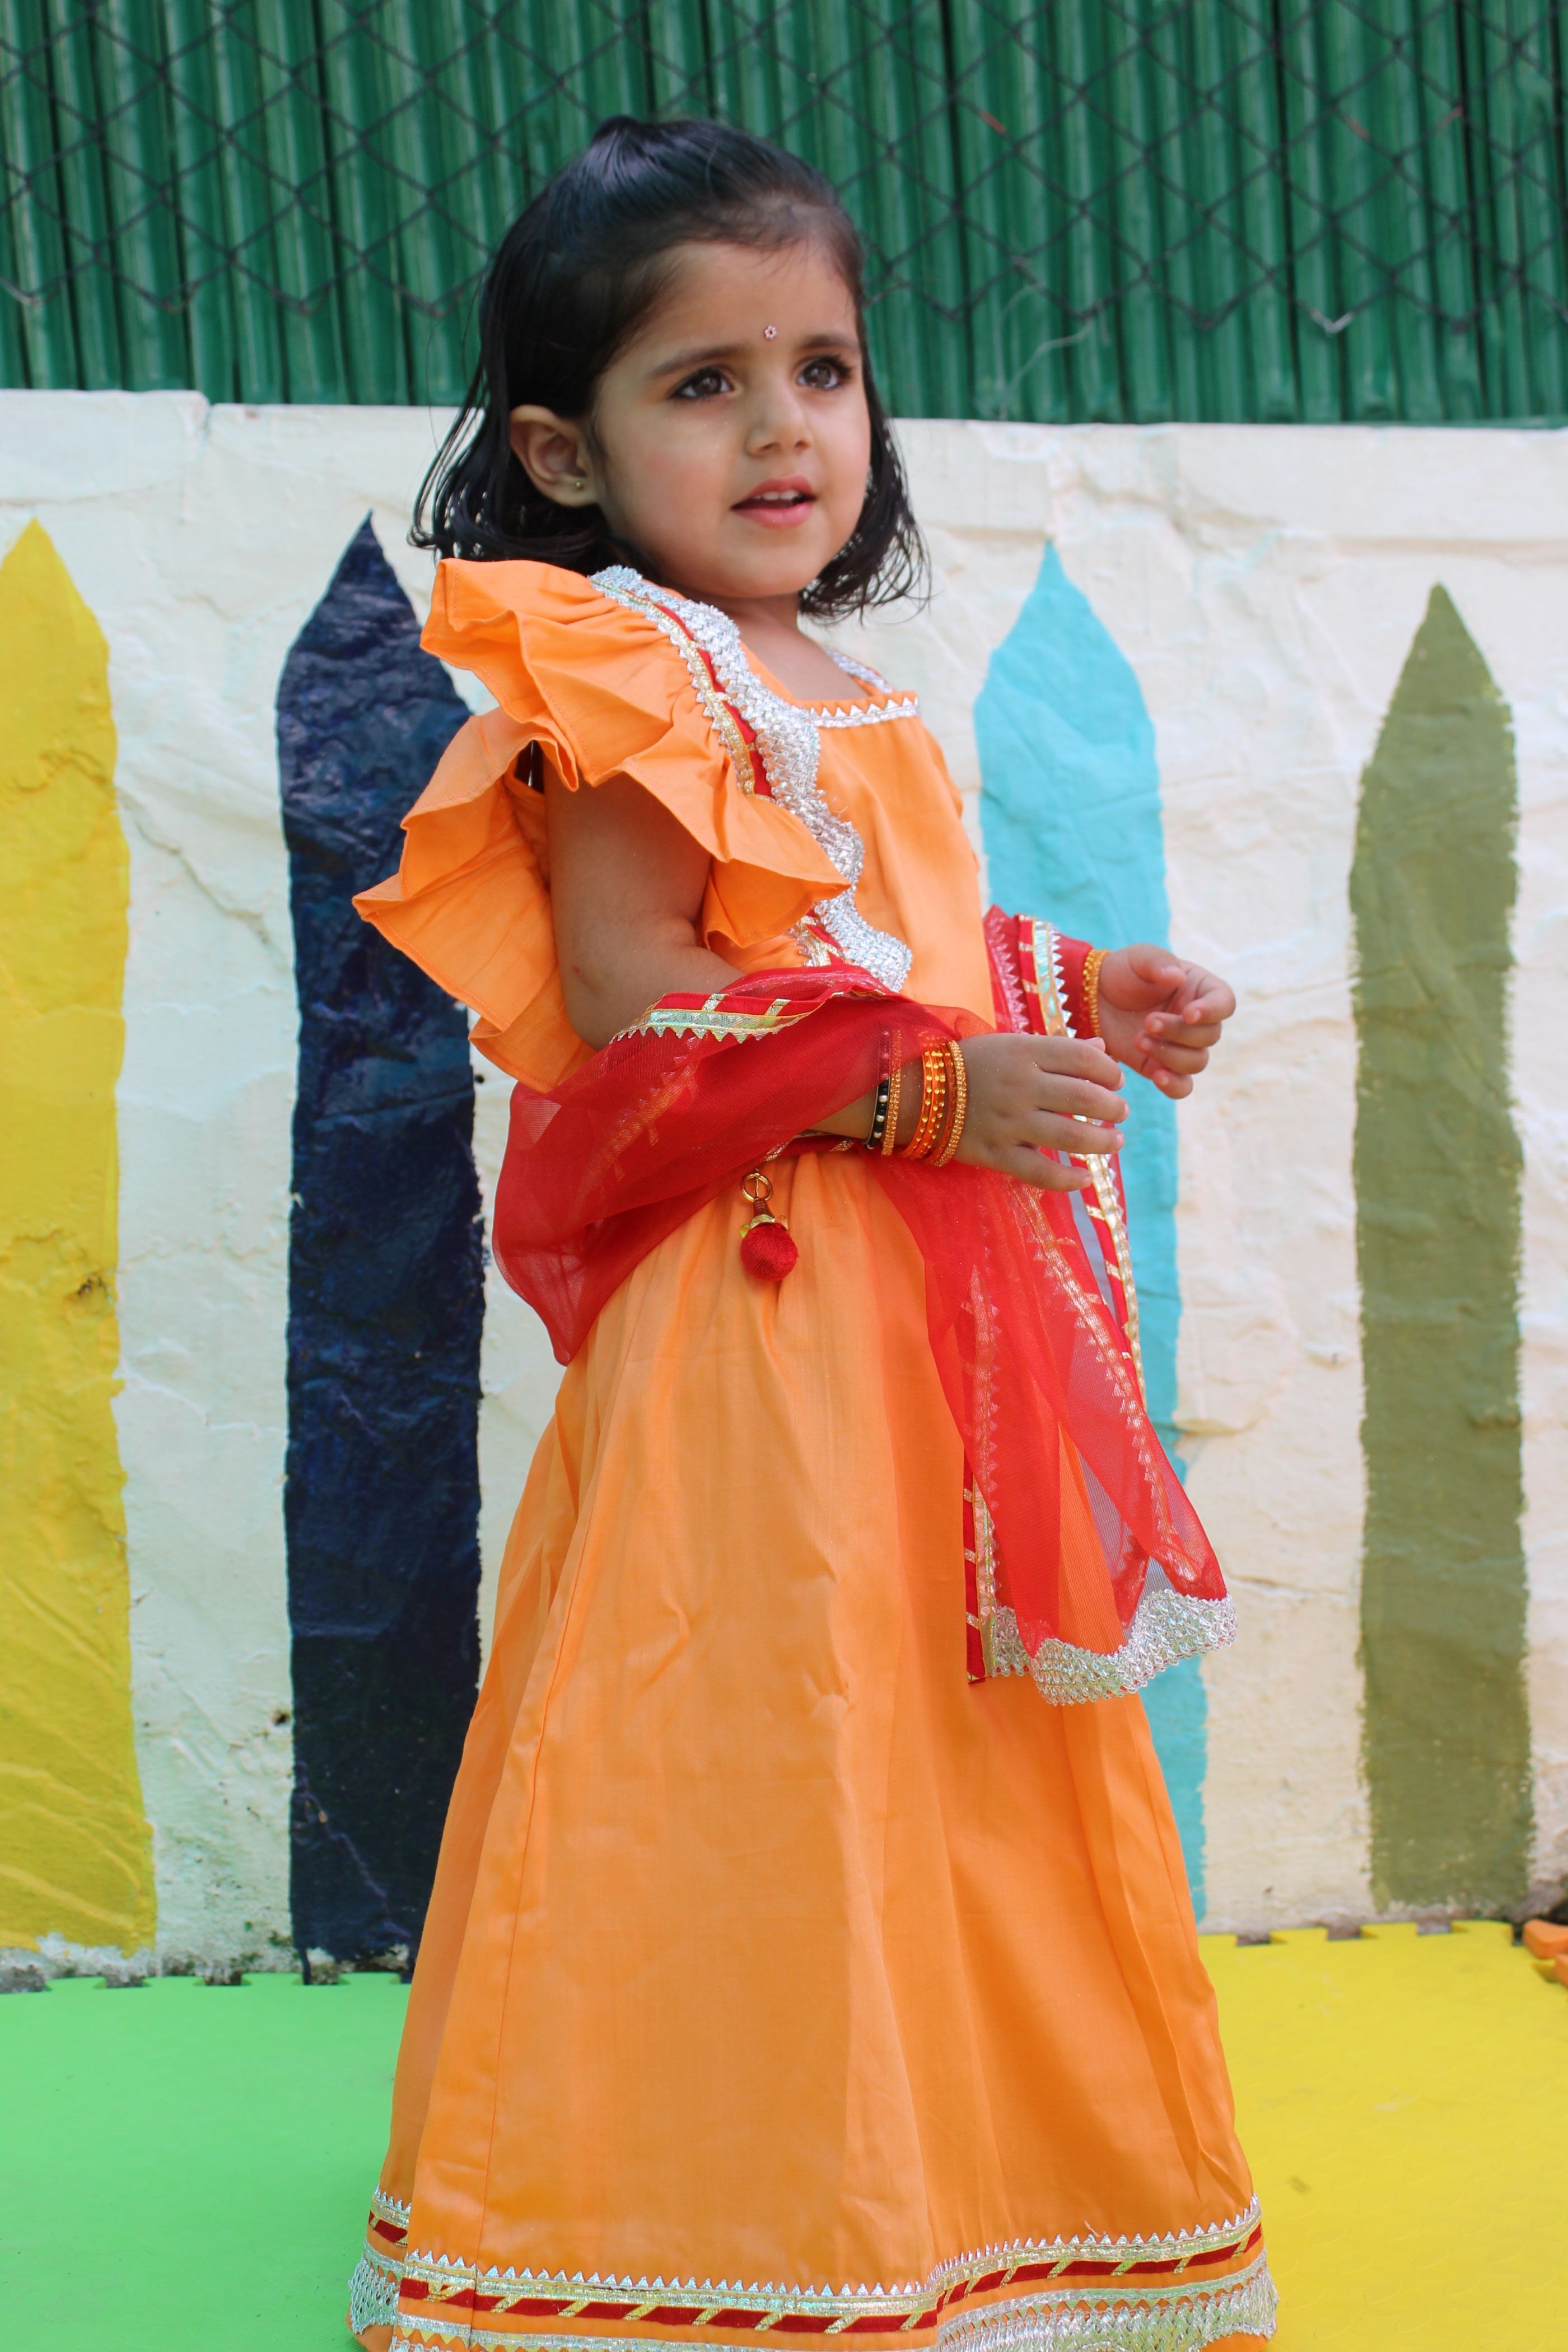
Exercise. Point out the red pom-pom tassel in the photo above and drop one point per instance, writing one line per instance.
(767, 1250)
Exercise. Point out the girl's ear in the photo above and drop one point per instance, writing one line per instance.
(553, 454)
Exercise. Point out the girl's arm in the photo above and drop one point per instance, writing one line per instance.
(626, 884)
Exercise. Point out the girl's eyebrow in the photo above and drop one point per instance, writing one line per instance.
(710, 352)
(692, 359)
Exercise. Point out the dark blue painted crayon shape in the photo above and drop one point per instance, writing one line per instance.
(385, 1291)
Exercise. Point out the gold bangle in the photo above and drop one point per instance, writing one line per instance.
(933, 1101)
(890, 1131)
(918, 1143)
(958, 1101)
(938, 1061)
(943, 1135)
(1091, 964)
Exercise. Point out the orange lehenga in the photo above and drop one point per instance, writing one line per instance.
(777, 1979)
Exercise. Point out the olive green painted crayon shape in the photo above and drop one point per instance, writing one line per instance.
(1446, 1738)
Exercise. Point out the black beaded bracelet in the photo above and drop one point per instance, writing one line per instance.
(879, 1114)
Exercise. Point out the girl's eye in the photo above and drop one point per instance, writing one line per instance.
(823, 374)
(706, 385)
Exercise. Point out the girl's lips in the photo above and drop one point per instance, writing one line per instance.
(779, 505)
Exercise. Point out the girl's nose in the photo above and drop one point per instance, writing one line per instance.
(779, 422)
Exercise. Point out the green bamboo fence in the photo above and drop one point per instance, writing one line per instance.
(1275, 210)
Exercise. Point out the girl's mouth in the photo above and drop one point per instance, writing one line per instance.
(778, 504)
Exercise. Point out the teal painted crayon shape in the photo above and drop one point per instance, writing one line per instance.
(1070, 814)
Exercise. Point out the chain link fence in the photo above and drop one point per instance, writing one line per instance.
(1275, 210)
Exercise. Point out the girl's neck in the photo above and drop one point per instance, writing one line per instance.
(770, 628)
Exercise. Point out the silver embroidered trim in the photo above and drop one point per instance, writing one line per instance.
(814, 948)
(1100, 1175)
(862, 714)
(1175, 2245)
(790, 748)
(377, 2275)
(1004, 969)
(1166, 1626)
(983, 1559)
(1108, 1201)
(859, 669)
(372, 2291)
(847, 2302)
(714, 1019)
(856, 714)
(1182, 2316)
(1059, 977)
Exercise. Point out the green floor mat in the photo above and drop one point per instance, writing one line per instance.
(185, 2168)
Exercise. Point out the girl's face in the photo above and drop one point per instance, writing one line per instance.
(728, 439)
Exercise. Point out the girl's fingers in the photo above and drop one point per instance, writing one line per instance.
(1072, 1098)
(1085, 1059)
(1157, 967)
(1047, 1132)
(1170, 1056)
(1030, 1165)
(1184, 994)
(1047, 1175)
(1180, 1032)
(1211, 1000)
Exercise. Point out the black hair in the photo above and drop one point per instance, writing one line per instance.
(573, 278)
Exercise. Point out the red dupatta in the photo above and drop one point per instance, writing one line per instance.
(1089, 1568)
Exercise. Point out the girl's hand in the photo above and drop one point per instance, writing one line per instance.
(1029, 1097)
(1162, 1016)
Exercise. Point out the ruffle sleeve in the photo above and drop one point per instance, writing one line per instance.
(602, 693)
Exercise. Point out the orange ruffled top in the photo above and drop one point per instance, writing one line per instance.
(602, 693)
(776, 1980)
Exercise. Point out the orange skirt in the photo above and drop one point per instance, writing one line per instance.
(777, 1980)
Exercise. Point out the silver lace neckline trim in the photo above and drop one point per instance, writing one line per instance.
(861, 714)
(789, 745)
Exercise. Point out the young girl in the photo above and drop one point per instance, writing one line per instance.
(810, 1952)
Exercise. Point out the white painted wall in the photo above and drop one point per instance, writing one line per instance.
(1265, 582)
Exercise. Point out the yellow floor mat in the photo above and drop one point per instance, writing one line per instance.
(1403, 2100)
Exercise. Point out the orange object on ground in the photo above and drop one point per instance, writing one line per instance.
(777, 1979)
(1544, 1940)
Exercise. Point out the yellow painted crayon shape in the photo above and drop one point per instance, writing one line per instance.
(75, 1851)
